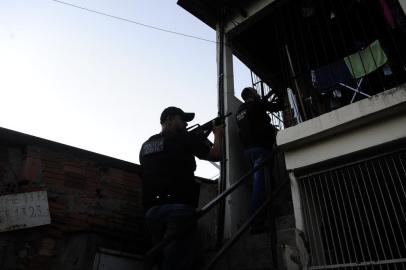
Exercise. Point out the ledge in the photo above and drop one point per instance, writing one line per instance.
(370, 122)
(348, 117)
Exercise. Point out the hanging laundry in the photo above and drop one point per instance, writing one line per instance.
(397, 13)
(394, 12)
(367, 60)
(387, 13)
(387, 70)
(330, 75)
(293, 106)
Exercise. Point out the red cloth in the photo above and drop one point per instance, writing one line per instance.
(387, 13)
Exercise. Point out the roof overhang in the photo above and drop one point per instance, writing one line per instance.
(245, 31)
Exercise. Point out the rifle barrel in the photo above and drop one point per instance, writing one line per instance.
(208, 126)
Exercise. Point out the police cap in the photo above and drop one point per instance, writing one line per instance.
(176, 111)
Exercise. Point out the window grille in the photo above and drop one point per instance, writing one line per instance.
(355, 214)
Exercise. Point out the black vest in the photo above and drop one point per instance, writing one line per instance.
(255, 128)
(168, 166)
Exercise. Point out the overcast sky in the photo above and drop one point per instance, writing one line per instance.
(99, 83)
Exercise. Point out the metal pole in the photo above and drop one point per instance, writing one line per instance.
(223, 176)
(299, 96)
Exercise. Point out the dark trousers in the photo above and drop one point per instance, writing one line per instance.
(170, 220)
(256, 155)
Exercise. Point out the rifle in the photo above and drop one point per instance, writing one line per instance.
(205, 129)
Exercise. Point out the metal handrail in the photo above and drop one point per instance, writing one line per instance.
(277, 117)
(255, 80)
(243, 228)
(204, 210)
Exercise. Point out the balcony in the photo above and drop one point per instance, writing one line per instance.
(347, 170)
(340, 69)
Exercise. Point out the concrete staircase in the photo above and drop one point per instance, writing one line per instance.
(250, 252)
(266, 251)
(285, 237)
(263, 251)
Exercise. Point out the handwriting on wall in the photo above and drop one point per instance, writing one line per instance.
(24, 210)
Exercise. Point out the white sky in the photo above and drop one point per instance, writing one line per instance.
(98, 83)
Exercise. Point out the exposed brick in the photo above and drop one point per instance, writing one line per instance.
(39, 262)
(78, 222)
(76, 169)
(81, 198)
(75, 181)
(47, 247)
(31, 168)
(97, 221)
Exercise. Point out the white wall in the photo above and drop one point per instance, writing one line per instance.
(355, 127)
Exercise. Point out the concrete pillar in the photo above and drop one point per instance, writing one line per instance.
(300, 233)
(297, 207)
(237, 205)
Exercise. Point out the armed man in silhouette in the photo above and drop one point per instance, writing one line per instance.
(257, 135)
(170, 192)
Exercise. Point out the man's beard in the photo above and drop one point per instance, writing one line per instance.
(181, 130)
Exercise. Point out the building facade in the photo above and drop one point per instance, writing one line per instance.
(62, 205)
(339, 66)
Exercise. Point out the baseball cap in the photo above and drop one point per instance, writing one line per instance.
(176, 111)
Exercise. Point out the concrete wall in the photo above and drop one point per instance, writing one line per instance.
(353, 129)
(368, 123)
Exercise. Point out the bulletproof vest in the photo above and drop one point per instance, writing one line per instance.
(168, 167)
(255, 128)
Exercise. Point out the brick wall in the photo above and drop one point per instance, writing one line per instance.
(94, 201)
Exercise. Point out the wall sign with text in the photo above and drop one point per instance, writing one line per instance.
(24, 210)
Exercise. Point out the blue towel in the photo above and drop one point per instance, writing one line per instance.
(330, 75)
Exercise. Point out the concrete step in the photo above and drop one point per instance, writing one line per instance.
(284, 237)
(251, 252)
(254, 252)
(282, 209)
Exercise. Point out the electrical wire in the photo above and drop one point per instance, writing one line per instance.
(132, 21)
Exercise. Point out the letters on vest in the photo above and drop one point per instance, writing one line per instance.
(241, 115)
(153, 146)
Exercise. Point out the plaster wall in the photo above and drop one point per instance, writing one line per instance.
(358, 126)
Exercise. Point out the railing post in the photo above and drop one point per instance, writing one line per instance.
(297, 206)
(300, 234)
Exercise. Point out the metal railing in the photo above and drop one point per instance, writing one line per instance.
(243, 228)
(264, 89)
(335, 52)
(150, 255)
(355, 215)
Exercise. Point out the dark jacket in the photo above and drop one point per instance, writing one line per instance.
(255, 128)
(168, 165)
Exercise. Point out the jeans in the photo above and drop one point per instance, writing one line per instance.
(167, 220)
(255, 155)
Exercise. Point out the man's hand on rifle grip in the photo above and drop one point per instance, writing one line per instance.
(218, 130)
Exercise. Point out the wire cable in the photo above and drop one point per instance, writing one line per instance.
(132, 21)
